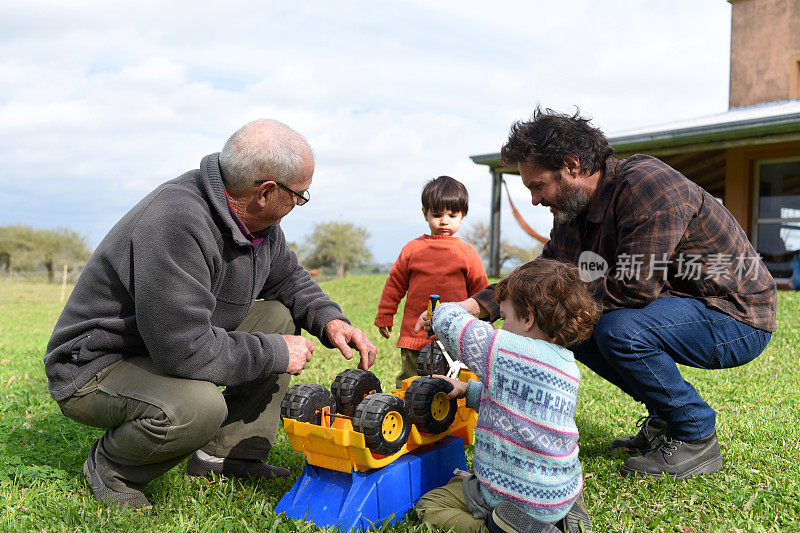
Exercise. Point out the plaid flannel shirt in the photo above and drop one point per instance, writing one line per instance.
(662, 236)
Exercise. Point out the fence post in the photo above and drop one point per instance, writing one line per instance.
(64, 284)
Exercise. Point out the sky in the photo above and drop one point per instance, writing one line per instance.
(100, 102)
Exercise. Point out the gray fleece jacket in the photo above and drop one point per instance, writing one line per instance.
(172, 280)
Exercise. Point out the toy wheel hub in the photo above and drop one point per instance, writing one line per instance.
(392, 426)
(440, 406)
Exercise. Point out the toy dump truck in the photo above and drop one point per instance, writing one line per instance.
(370, 456)
(354, 426)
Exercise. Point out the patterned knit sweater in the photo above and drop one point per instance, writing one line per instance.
(430, 264)
(526, 447)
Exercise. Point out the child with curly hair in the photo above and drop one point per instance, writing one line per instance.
(527, 475)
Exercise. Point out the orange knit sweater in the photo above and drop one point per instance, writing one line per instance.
(430, 264)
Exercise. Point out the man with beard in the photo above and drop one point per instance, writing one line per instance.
(683, 285)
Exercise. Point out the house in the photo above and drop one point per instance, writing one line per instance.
(747, 157)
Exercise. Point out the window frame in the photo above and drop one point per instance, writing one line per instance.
(756, 219)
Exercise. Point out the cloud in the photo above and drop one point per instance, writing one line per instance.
(100, 102)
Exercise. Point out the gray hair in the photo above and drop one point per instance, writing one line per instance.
(263, 149)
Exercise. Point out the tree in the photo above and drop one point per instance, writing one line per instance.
(477, 234)
(520, 255)
(24, 247)
(17, 246)
(340, 245)
(61, 246)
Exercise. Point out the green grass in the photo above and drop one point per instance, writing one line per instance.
(41, 451)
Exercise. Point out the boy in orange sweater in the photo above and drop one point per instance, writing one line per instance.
(439, 263)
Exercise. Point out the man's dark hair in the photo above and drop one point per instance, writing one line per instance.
(445, 194)
(549, 137)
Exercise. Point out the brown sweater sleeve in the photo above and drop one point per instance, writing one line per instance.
(485, 299)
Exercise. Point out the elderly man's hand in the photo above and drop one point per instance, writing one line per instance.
(344, 337)
(300, 350)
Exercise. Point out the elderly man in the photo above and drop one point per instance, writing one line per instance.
(166, 311)
(681, 283)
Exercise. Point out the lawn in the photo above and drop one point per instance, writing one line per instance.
(41, 452)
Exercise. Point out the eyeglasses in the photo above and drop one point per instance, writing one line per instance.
(303, 198)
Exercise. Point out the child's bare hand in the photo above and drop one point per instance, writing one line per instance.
(385, 331)
(459, 387)
(424, 324)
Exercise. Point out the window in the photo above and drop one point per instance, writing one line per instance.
(777, 214)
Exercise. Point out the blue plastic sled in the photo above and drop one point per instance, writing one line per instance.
(361, 500)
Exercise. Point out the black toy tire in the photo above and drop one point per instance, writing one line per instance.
(351, 386)
(431, 410)
(439, 364)
(304, 401)
(385, 422)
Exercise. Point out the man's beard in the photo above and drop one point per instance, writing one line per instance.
(569, 201)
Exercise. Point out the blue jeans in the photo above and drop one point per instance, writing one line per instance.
(638, 351)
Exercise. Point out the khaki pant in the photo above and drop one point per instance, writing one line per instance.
(446, 508)
(155, 421)
(408, 361)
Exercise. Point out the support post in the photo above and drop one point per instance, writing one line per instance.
(494, 225)
(64, 284)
